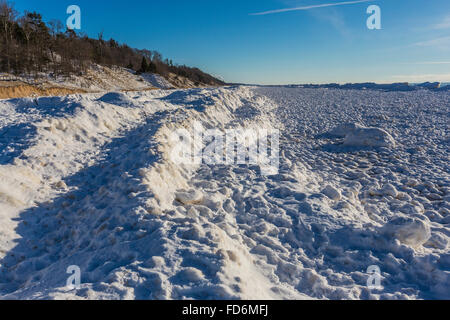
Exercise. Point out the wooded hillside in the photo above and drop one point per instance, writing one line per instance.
(29, 46)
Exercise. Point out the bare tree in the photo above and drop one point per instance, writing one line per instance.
(7, 17)
(28, 44)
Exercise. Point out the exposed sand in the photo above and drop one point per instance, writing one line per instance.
(21, 90)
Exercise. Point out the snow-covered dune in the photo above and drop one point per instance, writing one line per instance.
(88, 181)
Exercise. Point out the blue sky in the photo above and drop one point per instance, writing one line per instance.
(319, 45)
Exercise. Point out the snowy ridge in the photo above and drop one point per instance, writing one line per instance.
(117, 182)
(96, 79)
(88, 180)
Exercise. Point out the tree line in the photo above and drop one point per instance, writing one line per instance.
(30, 46)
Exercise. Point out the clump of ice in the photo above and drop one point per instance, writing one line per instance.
(191, 275)
(369, 137)
(189, 197)
(331, 193)
(342, 130)
(117, 98)
(356, 135)
(410, 231)
(386, 190)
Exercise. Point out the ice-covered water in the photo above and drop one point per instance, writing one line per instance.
(87, 180)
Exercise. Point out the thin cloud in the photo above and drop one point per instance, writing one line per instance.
(439, 42)
(444, 24)
(309, 7)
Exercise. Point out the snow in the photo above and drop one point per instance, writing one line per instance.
(356, 135)
(331, 193)
(342, 130)
(157, 81)
(191, 197)
(97, 78)
(410, 231)
(369, 137)
(116, 98)
(89, 180)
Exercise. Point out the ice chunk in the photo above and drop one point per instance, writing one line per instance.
(357, 135)
(389, 190)
(331, 193)
(190, 197)
(117, 98)
(369, 137)
(342, 130)
(191, 275)
(410, 231)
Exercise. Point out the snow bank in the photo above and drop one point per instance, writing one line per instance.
(105, 169)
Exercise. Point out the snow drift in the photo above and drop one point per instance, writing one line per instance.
(88, 181)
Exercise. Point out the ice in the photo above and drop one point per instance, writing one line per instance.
(363, 180)
(411, 231)
(368, 137)
(342, 130)
(190, 197)
(116, 98)
(331, 193)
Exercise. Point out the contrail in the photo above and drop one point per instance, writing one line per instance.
(309, 7)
